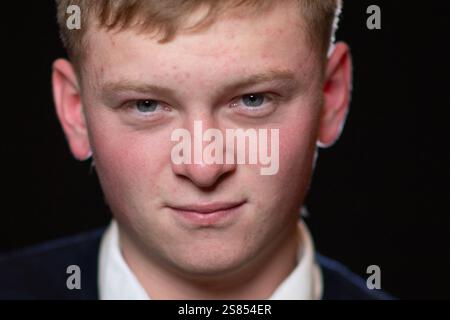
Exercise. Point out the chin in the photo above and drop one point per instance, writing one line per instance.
(207, 263)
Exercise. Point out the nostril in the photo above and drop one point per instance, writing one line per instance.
(204, 176)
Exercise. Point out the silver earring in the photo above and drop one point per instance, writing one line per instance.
(304, 212)
(91, 167)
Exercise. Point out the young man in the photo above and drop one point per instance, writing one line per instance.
(141, 70)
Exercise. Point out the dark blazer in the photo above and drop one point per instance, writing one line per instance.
(39, 272)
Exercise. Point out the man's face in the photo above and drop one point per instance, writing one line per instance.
(132, 143)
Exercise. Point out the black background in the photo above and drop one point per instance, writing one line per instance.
(380, 196)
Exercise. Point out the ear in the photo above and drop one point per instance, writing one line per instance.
(337, 92)
(69, 109)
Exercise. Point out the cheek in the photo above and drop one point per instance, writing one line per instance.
(297, 147)
(287, 188)
(129, 163)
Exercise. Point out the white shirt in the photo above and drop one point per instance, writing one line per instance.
(117, 281)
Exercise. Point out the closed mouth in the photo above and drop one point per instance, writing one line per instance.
(207, 208)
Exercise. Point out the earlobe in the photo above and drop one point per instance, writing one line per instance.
(336, 94)
(69, 109)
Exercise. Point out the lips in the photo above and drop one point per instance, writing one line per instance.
(207, 208)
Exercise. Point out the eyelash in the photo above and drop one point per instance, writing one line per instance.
(132, 106)
(268, 98)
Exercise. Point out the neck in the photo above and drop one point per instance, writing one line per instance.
(257, 280)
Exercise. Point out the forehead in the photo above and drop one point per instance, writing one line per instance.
(234, 43)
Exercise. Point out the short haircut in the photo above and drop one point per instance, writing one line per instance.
(167, 17)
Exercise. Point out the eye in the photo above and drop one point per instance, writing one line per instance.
(253, 100)
(146, 106)
(255, 104)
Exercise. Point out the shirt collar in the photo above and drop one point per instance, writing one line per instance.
(116, 281)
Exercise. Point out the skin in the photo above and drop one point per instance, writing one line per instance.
(246, 256)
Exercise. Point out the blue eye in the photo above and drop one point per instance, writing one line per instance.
(253, 100)
(146, 106)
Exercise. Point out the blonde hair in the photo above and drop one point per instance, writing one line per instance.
(166, 17)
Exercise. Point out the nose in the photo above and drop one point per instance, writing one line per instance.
(203, 175)
(201, 170)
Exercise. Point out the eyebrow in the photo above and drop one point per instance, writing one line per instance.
(285, 79)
